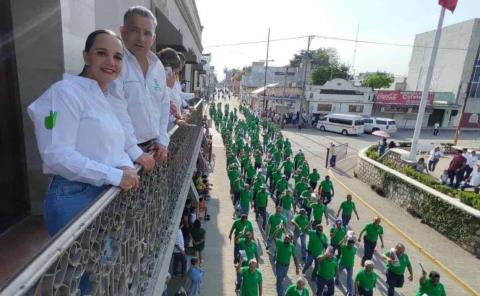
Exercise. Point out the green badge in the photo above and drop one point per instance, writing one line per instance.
(51, 120)
(156, 85)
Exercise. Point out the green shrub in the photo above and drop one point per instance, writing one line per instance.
(372, 152)
(470, 198)
(445, 190)
(420, 177)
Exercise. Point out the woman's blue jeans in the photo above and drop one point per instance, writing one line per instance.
(65, 199)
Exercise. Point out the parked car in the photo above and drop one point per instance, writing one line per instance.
(379, 124)
(346, 124)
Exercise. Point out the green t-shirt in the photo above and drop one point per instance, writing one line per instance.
(287, 166)
(326, 186)
(262, 199)
(239, 225)
(400, 266)
(339, 235)
(284, 252)
(366, 280)
(258, 158)
(297, 178)
(276, 176)
(274, 220)
(318, 211)
(287, 151)
(347, 207)
(429, 289)
(251, 171)
(270, 167)
(372, 231)
(314, 177)
(282, 185)
(237, 185)
(245, 198)
(287, 202)
(292, 291)
(300, 187)
(348, 256)
(250, 248)
(301, 220)
(250, 282)
(317, 242)
(327, 268)
(233, 174)
(305, 171)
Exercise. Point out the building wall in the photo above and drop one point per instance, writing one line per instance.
(453, 68)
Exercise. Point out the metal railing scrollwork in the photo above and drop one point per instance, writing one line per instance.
(124, 240)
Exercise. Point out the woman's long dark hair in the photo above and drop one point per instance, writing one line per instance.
(91, 40)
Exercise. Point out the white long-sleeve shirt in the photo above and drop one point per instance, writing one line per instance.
(179, 242)
(78, 135)
(185, 97)
(141, 102)
(472, 160)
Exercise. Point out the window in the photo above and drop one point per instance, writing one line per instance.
(368, 120)
(341, 121)
(311, 95)
(324, 107)
(359, 122)
(391, 122)
(381, 122)
(355, 108)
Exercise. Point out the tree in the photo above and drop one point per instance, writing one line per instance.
(324, 63)
(378, 80)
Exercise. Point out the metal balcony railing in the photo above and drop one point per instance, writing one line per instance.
(124, 240)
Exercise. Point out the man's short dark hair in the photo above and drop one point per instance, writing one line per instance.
(140, 11)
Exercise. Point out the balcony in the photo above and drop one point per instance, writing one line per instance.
(124, 240)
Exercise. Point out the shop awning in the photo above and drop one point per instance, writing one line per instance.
(262, 89)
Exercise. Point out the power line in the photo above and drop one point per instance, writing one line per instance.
(332, 38)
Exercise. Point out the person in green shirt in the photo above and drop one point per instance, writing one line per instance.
(250, 279)
(258, 159)
(313, 178)
(237, 187)
(347, 259)
(300, 223)
(287, 166)
(238, 226)
(297, 289)
(287, 204)
(246, 197)
(285, 250)
(261, 201)
(397, 262)
(247, 244)
(326, 190)
(276, 176)
(250, 173)
(275, 221)
(372, 231)
(281, 185)
(298, 158)
(347, 207)
(337, 234)
(319, 210)
(327, 269)
(317, 243)
(430, 286)
(365, 280)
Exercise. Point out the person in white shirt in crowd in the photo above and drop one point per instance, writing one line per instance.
(172, 62)
(435, 155)
(84, 163)
(186, 97)
(139, 94)
(473, 181)
(472, 161)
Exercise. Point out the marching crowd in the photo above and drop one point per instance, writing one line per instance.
(260, 166)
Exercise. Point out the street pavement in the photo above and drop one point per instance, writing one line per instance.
(422, 243)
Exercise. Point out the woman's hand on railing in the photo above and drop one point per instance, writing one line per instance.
(130, 178)
(147, 161)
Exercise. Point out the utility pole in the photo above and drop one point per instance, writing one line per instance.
(355, 50)
(285, 81)
(265, 101)
(305, 65)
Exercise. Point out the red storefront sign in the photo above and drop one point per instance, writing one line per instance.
(395, 97)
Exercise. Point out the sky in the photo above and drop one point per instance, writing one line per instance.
(390, 21)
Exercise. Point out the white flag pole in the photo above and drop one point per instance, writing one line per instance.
(428, 80)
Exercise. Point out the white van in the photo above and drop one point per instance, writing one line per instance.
(347, 124)
(380, 124)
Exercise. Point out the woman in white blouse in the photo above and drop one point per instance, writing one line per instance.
(81, 141)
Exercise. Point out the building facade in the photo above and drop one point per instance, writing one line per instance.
(454, 67)
(339, 96)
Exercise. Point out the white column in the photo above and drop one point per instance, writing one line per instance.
(428, 80)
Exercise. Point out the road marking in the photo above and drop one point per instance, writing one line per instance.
(420, 249)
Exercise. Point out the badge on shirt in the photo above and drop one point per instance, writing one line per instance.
(51, 120)
(156, 85)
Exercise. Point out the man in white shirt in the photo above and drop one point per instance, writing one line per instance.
(179, 255)
(472, 161)
(474, 180)
(140, 92)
